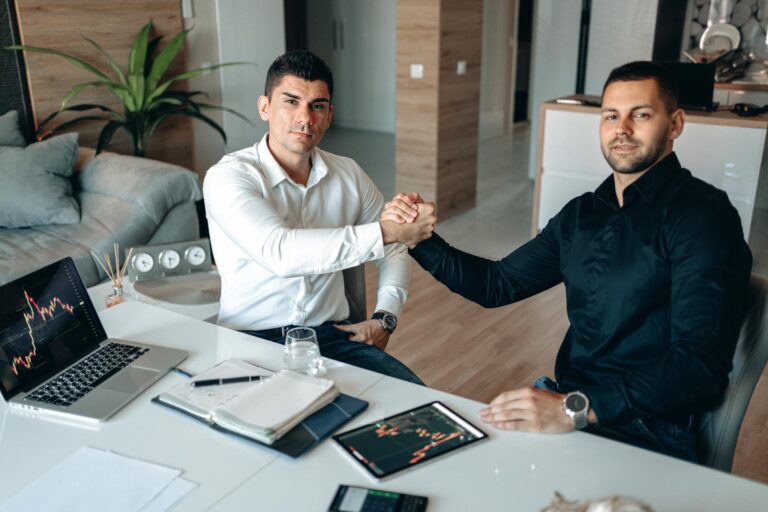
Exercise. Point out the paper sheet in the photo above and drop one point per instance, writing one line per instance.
(170, 495)
(96, 480)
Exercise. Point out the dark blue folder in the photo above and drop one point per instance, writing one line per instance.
(307, 434)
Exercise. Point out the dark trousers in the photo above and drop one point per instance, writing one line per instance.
(335, 344)
(675, 440)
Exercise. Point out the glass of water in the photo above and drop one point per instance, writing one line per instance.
(302, 353)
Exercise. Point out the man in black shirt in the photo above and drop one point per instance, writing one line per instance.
(655, 268)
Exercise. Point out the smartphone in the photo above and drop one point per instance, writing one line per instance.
(361, 499)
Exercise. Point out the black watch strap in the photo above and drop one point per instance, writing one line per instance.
(388, 320)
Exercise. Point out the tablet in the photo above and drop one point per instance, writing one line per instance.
(408, 439)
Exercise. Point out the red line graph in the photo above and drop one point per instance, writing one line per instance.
(435, 438)
(35, 310)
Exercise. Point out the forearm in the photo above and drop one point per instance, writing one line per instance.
(486, 282)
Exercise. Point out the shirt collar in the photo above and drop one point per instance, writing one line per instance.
(648, 186)
(275, 174)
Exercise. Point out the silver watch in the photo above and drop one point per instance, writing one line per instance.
(576, 406)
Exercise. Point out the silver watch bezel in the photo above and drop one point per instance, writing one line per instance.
(579, 417)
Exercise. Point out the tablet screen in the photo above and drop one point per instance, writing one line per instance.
(408, 438)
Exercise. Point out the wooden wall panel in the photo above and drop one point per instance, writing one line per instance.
(113, 24)
(437, 116)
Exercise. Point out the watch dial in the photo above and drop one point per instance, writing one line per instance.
(170, 259)
(143, 262)
(576, 403)
(195, 255)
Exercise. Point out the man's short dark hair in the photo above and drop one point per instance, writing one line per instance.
(643, 70)
(302, 64)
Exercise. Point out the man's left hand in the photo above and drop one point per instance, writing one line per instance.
(530, 410)
(370, 332)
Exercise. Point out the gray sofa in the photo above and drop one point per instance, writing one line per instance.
(124, 199)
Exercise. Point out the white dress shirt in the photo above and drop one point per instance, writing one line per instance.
(280, 246)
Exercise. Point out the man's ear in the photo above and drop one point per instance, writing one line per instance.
(330, 115)
(264, 108)
(678, 122)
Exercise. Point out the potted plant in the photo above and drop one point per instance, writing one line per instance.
(144, 91)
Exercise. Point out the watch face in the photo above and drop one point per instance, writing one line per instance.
(169, 259)
(390, 322)
(195, 255)
(575, 403)
(143, 262)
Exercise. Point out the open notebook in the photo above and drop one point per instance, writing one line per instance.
(286, 411)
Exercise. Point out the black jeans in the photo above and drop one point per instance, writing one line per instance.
(335, 344)
(660, 436)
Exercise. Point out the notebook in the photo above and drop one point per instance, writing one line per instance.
(286, 411)
(55, 357)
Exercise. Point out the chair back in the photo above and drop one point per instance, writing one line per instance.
(354, 289)
(719, 428)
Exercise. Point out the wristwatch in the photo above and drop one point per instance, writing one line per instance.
(576, 406)
(388, 320)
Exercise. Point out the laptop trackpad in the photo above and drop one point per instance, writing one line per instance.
(131, 379)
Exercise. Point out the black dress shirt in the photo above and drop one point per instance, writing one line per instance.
(654, 291)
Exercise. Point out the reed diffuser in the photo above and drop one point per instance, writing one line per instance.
(116, 274)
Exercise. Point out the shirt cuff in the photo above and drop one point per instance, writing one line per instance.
(608, 402)
(370, 241)
(388, 301)
(429, 252)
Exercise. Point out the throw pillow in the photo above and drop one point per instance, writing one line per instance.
(10, 135)
(34, 183)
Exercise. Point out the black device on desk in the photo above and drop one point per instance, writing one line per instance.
(695, 84)
(360, 499)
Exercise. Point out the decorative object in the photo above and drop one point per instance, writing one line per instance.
(608, 504)
(144, 91)
(115, 274)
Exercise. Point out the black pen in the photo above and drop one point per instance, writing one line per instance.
(228, 380)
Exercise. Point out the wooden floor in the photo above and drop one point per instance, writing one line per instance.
(459, 347)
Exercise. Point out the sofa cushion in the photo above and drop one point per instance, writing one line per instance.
(34, 183)
(10, 135)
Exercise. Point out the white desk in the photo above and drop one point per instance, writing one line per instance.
(510, 471)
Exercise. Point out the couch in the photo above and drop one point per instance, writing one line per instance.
(123, 199)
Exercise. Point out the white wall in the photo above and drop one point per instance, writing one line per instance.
(253, 31)
(554, 59)
(203, 48)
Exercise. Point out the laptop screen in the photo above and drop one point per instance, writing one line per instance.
(47, 321)
(695, 83)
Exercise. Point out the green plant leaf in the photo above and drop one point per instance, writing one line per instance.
(71, 58)
(151, 47)
(165, 101)
(139, 51)
(105, 137)
(69, 124)
(110, 60)
(232, 111)
(210, 122)
(79, 108)
(136, 87)
(164, 59)
(77, 90)
(193, 73)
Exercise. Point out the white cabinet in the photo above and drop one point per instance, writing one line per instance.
(726, 154)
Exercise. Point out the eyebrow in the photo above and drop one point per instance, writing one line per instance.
(316, 100)
(636, 107)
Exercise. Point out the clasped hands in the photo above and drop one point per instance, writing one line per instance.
(408, 219)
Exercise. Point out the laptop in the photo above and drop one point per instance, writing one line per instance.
(55, 356)
(695, 84)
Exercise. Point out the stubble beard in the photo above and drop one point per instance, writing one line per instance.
(638, 162)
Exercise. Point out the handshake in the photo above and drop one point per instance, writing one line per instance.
(407, 219)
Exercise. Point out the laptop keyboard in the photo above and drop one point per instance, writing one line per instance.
(81, 378)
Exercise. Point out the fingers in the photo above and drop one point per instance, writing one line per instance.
(345, 328)
(400, 210)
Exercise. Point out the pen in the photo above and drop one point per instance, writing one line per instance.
(229, 380)
(181, 372)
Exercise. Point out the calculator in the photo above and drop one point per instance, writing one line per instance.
(360, 499)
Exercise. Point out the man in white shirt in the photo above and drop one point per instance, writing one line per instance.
(286, 217)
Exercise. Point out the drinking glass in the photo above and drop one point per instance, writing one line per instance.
(302, 353)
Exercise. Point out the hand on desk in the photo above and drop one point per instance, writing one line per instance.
(530, 410)
(408, 219)
(370, 332)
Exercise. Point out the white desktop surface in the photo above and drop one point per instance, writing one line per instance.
(509, 471)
